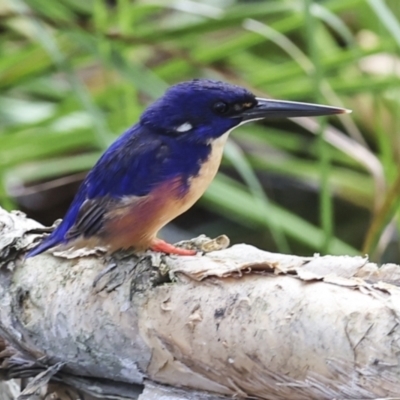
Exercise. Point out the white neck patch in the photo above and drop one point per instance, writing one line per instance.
(186, 126)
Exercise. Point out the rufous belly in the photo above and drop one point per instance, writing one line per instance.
(137, 222)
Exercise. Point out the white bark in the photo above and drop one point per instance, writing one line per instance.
(236, 322)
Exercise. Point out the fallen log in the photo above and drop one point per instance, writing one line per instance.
(238, 322)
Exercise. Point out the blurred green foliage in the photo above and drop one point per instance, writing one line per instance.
(74, 74)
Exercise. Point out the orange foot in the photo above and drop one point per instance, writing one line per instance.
(164, 247)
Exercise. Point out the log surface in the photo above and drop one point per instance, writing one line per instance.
(237, 322)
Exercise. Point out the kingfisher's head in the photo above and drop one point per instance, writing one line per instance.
(202, 110)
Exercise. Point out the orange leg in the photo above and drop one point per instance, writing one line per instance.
(164, 247)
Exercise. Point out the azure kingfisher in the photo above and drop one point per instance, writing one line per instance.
(162, 165)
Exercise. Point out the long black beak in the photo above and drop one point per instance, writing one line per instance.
(267, 108)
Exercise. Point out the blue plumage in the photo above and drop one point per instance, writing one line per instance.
(144, 161)
(144, 179)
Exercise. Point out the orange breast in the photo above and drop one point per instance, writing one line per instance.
(137, 222)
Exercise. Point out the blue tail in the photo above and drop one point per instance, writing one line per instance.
(46, 244)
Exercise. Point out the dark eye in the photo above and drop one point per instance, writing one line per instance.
(220, 107)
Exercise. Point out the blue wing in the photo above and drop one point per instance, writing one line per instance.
(135, 164)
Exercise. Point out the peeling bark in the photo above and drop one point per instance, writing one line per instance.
(237, 322)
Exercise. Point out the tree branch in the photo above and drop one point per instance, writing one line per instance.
(236, 322)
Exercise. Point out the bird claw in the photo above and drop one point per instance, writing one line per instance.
(202, 244)
(127, 260)
(163, 247)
